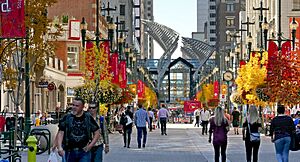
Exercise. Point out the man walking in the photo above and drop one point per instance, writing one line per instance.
(141, 119)
(97, 150)
(163, 115)
(151, 118)
(78, 133)
(204, 117)
(197, 117)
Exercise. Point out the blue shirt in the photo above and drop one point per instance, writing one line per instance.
(141, 117)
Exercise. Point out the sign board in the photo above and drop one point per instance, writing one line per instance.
(43, 84)
(51, 86)
(74, 30)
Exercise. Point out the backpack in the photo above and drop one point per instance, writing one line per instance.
(69, 120)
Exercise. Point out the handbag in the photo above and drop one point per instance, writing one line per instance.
(254, 137)
(53, 157)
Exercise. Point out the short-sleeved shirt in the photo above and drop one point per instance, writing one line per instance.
(77, 133)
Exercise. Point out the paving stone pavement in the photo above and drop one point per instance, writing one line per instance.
(184, 143)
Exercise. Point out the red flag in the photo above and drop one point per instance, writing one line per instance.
(114, 67)
(216, 89)
(12, 19)
(90, 59)
(122, 73)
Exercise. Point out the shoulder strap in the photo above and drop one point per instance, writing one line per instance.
(69, 120)
(87, 121)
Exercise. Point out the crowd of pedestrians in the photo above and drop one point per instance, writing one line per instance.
(83, 136)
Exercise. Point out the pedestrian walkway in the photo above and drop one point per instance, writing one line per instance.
(184, 143)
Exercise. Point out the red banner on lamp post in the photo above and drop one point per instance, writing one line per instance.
(90, 60)
(114, 67)
(216, 89)
(104, 53)
(141, 89)
(12, 19)
(122, 73)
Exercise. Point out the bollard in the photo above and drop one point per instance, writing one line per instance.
(31, 142)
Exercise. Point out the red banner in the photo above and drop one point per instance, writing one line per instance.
(12, 19)
(122, 73)
(286, 49)
(90, 60)
(216, 89)
(104, 53)
(242, 63)
(114, 67)
(141, 89)
(191, 106)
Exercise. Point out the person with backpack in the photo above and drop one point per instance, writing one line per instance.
(251, 134)
(127, 122)
(78, 133)
(97, 149)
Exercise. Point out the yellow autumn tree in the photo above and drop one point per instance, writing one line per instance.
(250, 76)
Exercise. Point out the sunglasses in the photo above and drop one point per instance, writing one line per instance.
(92, 107)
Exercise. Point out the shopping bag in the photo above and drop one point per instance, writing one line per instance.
(53, 157)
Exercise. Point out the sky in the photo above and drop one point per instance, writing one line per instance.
(179, 15)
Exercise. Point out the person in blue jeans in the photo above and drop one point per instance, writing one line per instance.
(141, 119)
(78, 133)
(281, 129)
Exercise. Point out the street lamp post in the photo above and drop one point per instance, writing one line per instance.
(261, 9)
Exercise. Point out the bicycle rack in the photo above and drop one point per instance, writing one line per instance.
(37, 131)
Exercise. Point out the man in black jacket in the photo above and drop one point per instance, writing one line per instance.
(127, 121)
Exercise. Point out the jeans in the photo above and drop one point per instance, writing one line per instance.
(127, 136)
(97, 153)
(252, 146)
(204, 127)
(77, 156)
(150, 119)
(197, 121)
(223, 152)
(163, 125)
(282, 148)
(141, 130)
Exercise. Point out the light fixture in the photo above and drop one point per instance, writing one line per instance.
(293, 26)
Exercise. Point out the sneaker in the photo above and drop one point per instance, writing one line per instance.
(165, 133)
(144, 145)
(124, 145)
(128, 146)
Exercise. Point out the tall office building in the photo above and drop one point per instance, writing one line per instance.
(206, 22)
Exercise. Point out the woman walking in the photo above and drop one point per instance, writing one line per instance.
(219, 126)
(280, 132)
(251, 125)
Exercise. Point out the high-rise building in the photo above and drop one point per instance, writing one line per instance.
(206, 21)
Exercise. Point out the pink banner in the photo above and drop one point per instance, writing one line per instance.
(122, 73)
(114, 67)
(12, 19)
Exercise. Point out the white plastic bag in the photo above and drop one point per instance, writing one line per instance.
(54, 157)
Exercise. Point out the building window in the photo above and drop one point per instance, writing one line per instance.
(122, 10)
(73, 54)
(212, 15)
(212, 7)
(230, 7)
(212, 23)
(212, 39)
(296, 4)
(229, 22)
(212, 31)
(228, 38)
